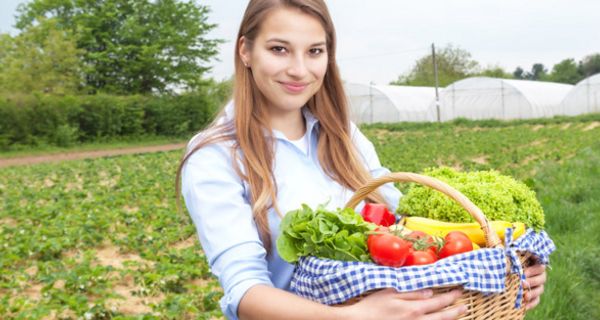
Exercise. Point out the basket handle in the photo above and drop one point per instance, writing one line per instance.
(491, 238)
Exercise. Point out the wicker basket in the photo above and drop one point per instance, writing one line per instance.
(480, 306)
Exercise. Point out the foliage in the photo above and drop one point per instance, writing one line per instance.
(339, 235)
(566, 71)
(538, 72)
(453, 64)
(569, 194)
(98, 239)
(500, 197)
(493, 72)
(133, 46)
(66, 120)
(42, 58)
(590, 65)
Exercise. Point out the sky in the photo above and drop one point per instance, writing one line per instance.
(378, 40)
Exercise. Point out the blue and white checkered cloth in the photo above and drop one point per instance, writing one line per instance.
(332, 281)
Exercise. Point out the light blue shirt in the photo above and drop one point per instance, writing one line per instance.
(218, 202)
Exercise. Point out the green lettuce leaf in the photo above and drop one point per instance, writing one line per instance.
(339, 234)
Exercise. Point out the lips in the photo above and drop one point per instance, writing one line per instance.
(294, 87)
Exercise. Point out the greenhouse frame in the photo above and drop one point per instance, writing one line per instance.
(379, 103)
(583, 98)
(493, 98)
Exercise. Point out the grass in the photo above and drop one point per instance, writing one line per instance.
(101, 239)
(570, 194)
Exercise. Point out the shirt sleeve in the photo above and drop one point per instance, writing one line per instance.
(367, 151)
(214, 196)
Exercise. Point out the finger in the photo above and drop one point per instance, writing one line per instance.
(534, 293)
(439, 302)
(535, 270)
(532, 304)
(447, 314)
(535, 281)
(416, 295)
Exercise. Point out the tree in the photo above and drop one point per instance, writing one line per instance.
(538, 72)
(42, 58)
(494, 72)
(139, 46)
(590, 65)
(453, 64)
(566, 71)
(519, 73)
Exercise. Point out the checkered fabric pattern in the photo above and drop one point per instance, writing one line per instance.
(332, 281)
(537, 243)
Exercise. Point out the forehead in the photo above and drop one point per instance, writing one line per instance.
(291, 25)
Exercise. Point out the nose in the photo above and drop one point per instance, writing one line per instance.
(297, 67)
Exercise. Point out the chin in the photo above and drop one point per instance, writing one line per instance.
(294, 103)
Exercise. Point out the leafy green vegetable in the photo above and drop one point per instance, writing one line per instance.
(500, 197)
(339, 235)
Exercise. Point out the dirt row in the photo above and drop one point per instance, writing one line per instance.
(86, 155)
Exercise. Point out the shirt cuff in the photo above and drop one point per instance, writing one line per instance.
(230, 302)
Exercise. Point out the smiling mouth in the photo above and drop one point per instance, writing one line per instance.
(294, 87)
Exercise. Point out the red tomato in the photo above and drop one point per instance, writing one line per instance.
(387, 249)
(422, 241)
(417, 258)
(421, 236)
(455, 242)
(379, 214)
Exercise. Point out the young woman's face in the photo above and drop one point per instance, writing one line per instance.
(288, 59)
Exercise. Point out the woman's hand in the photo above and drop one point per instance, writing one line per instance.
(534, 284)
(418, 305)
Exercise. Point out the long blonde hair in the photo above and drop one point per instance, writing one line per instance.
(336, 152)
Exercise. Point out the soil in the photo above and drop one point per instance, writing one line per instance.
(86, 155)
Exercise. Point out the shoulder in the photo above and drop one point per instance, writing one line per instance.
(358, 138)
(211, 149)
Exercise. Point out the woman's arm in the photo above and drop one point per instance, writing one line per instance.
(264, 302)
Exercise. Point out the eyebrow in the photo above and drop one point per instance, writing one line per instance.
(322, 43)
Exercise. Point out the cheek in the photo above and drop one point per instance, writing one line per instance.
(269, 67)
(319, 68)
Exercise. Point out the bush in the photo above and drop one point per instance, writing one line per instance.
(65, 120)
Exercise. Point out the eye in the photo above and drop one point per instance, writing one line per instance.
(278, 49)
(316, 51)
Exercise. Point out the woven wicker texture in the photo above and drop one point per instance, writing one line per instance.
(480, 306)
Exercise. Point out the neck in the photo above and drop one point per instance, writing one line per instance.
(291, 124)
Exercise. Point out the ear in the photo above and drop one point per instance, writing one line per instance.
(244, 51)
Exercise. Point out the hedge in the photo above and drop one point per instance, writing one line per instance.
(62, 120)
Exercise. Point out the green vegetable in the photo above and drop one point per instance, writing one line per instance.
(500, 197)
(339, 235)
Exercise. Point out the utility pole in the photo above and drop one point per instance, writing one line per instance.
(435, 74)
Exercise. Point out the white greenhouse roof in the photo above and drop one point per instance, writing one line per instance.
(387, 103)
(494, 98)
(584, 97)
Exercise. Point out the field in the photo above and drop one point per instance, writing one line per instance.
(102, 239)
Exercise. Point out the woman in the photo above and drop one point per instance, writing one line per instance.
(285, 140)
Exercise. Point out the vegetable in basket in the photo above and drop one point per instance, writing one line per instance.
(339, 235)
(471, 229)
(500, 197)
(378, 214)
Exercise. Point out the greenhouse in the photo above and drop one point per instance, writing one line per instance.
(583, 98)
(375, 103)
(492, 98)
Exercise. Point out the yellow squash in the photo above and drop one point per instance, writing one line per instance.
(472, 230)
